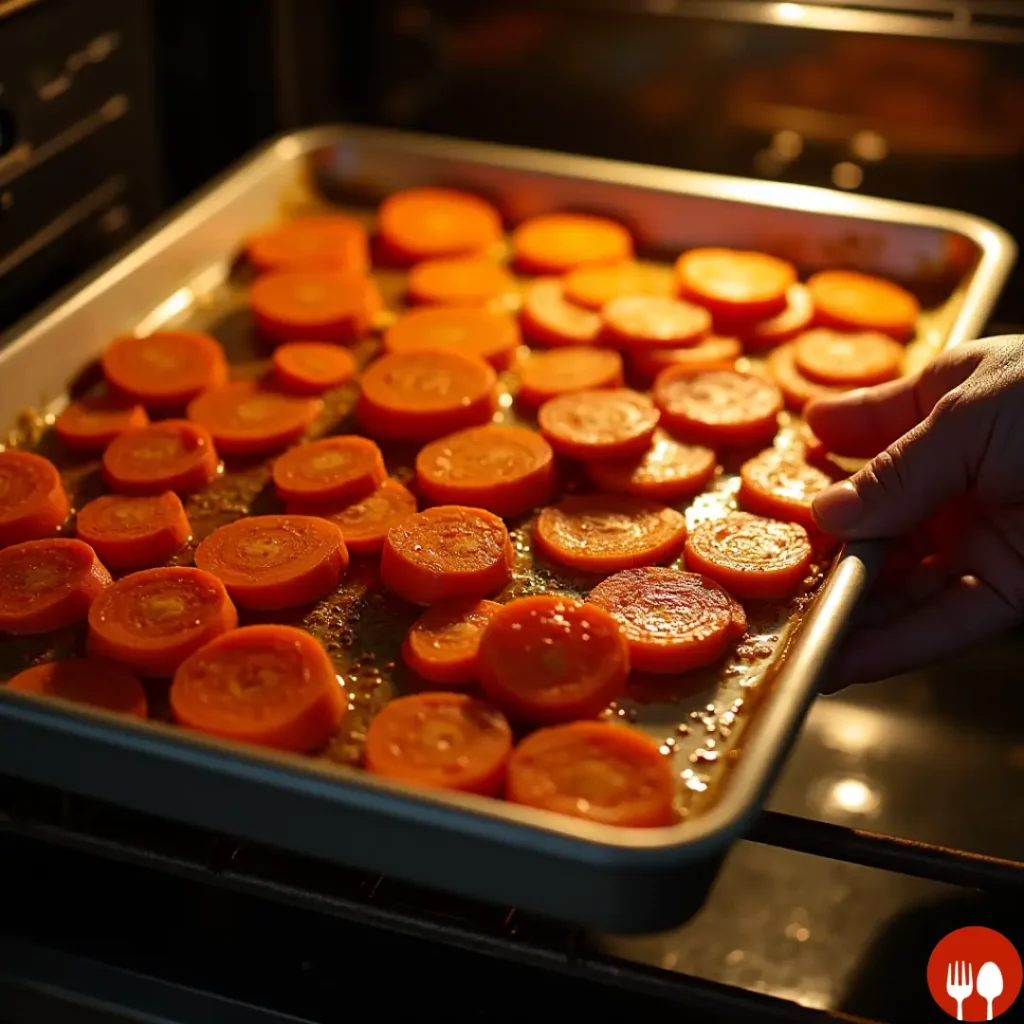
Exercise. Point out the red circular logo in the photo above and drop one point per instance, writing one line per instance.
(974, 974)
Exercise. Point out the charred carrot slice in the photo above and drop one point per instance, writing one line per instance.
(546, 375)
(442, 740)
(599, 424)
(333, 469)
(272, 686)
(447, 552)
(493, 337)
(506, 470)
(593, 287)
(172, 455)
(417, 396)
(329, 240)
(271, 562)
(443, 643)
(134, 533)
(596, 771)
(735, 283)
(422, 223)
(48, 584)
(153, 620)
(609, 532)
(33, 503)
(249, 418)
(548, 318)
(850, 301)
(552, 659)
(653, 321)
(797, 390)
(711, 353)
(312, 367)
(752, 557)
(556, 243)
(93, 681)
(165, 370)
(780, 483)
(718, 407)
(90, 424)
(759, 335)
(459, 282)
(847, 360)
(674, 621)
(668, 471)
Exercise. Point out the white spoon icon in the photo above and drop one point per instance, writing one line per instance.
(990, 984)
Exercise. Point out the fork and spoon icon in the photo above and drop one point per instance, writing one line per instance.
(960, 984)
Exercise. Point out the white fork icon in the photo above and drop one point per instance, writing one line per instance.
(959, 984)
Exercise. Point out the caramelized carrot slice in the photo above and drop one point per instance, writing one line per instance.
(90, 424)
(712, 353)
(48, 584)
(506, 470)
(556, 243)
(758, 335)
(493, 337)
(153, 620)
(734, 283)
(312, 367)
(668, 471)
(134, 533)
(653, 321)
(780, 483)
(93, 681)
(459, 282)
(333, 469)
(447, 552)
(273, 686)
(33, 503)
(850, 301)
(718, 407)
(546, 375)
(593, 287)
(847, 360)
(271, 562)
(552, 659)
(599, 424)
(172, 455)
(751, 557)
(608, 532)
(594, 770)
(548, 318)
(797, 390)
(443, 643)
(417, 396)
(674, 621)
(442, 740)
(165, 370)
(327, 240)
(422, 223)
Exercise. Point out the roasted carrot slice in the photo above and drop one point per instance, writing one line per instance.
(165, 370)
(556, 243)
(422, 223)
(547, 375)
(273, 686)
(134, 533)
(33, 503)
(548, 318)
(847, 360)
(90, 424)
(858, 302)
(271, 562)
(493, 337)
(668, 471)
(609, 532)
(47, 584)
(752, 557)
(711, 353)
(593, 287)
(759, 335)
(153, 620)
(172, 455)
(654, 321)
(312, 367)
(447, 552)
(333, 469)
(552, 659)
(94, 681)
(600, 424)
(250, 418)
(674, 621)
(459, 282)
(718, 407)
(314, 305)
(443, 643)
(442, 740)
(327, 240)
(417, 396)
(797, 390)
(780, 483)
(594, 770)
(734, 283)
(506, 470)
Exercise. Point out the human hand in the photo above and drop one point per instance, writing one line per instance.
(953, 433)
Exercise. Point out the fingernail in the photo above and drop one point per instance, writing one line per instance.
(838, 508)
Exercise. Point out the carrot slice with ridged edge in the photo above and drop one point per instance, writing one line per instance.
(546, 375)
(324, 240)
(134, 532)
(668, 471)
(506, 470)
(797, 389)
(333, 469)
(441, 740)
(459, 282)
(48, 584)
(552, 659)
(711, 353)
(593, 287)
(596, 771)
(548, 318)
(312, 367)
(674, 621)
(443, 644)
(493, 337)
(33, 502)
(602, 424)
(780, 483)
(90, 424)
(851, 301)
(759, 335)
(154, 619)
(653, 321)
(556, 243)
(272, 562)
(752, 557)
(172, 455)
(93, 681)
(269, 685)
(422, 223)
(447, 552)
(735, 283)
(848, 359)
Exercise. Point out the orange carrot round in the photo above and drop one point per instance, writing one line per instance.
(668, 471)
(90, 424)
(797, 390)
(494, 337)
(781, 484)
(593, 287)
(654, 321)
(442, 645)
(134, 532)
(733, 283)
(850, 301)
(712, 353)
(546, 375)
(93, 681)
(165, 370)
(548, 318)
(423, 223)
(459, 282)
(759, 335)
(316, 242)
(333, 469)
(599, 424)
(33, 503)
(847, 360)
(312, 367)
(172, 455)
(556, 243)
